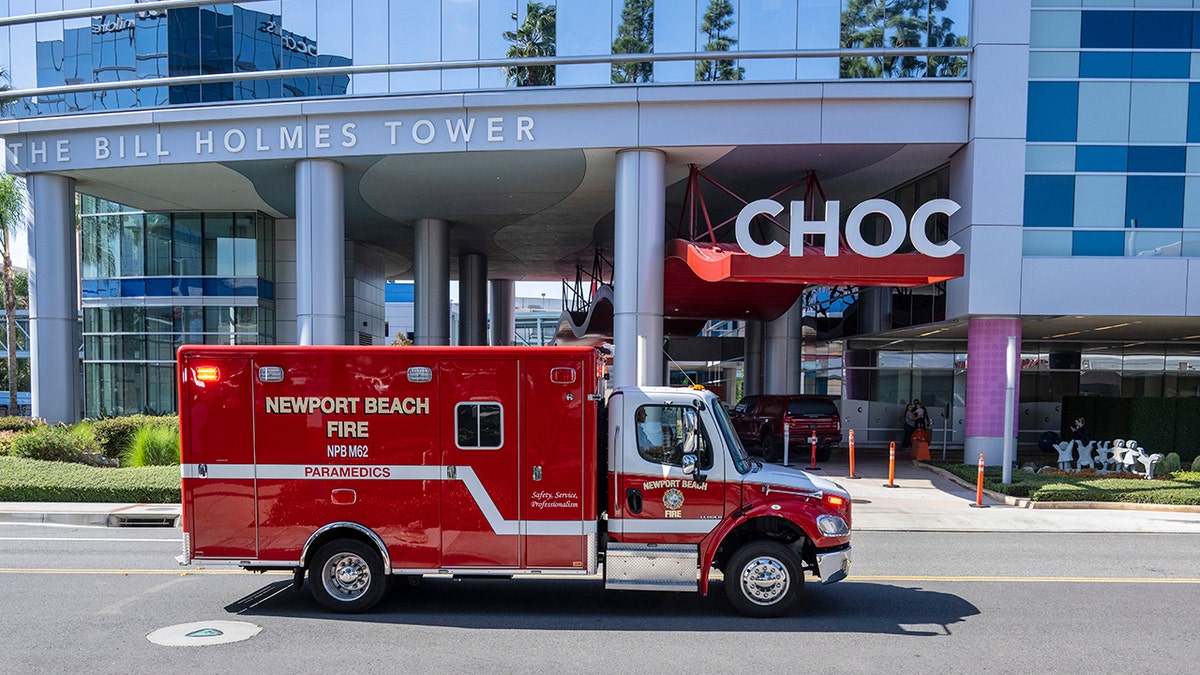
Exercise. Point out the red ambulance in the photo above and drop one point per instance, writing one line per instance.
(356, 463)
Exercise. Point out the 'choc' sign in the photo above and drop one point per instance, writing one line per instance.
(829, 227)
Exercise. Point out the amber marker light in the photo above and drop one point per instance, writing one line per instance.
(207, 373)
(834, 500)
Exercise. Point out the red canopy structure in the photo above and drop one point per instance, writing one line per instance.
(721, 281)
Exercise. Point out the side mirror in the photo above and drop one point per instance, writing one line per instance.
(689, 465)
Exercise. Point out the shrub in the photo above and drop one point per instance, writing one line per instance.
(87, 434)
(11, 423)
(116, 434)
(152, 446)
(1196, 464)
(1169, 464)
(54, 444)
(6, 439)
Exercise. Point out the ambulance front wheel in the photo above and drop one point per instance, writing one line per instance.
(764, 579)
(347, 576)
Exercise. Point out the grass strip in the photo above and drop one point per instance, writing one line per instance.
(1182, 489)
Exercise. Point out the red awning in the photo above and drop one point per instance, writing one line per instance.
(721, 281)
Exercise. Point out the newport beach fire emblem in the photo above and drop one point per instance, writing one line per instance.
(673, 499)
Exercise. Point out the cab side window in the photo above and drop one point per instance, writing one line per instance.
(665, 433)
(478, 426)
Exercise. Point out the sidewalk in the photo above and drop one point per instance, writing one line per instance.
(924, 500)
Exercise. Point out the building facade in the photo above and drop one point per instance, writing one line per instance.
(254, 172)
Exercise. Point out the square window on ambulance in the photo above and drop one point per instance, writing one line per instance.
(478, 426)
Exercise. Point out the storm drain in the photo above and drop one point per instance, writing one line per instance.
(204, 633)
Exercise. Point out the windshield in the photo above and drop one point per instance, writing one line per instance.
(741, 460)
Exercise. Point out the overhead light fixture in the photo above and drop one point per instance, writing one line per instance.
(1065, 334)
(1115, 325)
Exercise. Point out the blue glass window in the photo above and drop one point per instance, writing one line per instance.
(1156, 159)
(186, 286)
(1193, 121)
(1161, 65)
(1105, 64)
(1162, 30)
(158, 287)
(1050, 201)
(1154, 201)
(133, 288)
(1098, 243)
(266, 289)
(1053, 111)
(1101, 158)
(1106, 29)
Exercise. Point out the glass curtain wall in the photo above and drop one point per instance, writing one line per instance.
(291, 34)
(155, 281)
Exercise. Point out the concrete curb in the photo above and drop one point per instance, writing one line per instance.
(92, 515)
(1031, 504)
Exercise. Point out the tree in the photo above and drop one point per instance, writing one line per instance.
(899, 23)
(635, 35)
(718, 19)
(11, 203)
(533, 38)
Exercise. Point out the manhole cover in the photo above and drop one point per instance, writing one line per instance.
(860, 501)
(202, 633)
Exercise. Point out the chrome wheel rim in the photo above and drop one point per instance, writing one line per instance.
(765, 580)
(346, 576)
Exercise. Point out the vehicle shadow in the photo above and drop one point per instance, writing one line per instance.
(569, 604)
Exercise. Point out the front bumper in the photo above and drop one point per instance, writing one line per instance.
(833, 565)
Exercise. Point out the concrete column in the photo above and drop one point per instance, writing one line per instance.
(472, 299)
(987, 342)
(53, 299)
(504, 312)
(320, 253)
(782, 341)
(431, 271)
(752, 373)
(638, 268)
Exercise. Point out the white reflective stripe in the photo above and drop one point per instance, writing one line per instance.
(667, 525)
(482, 499)
(466, 474)
(226, 471)
(558, 527)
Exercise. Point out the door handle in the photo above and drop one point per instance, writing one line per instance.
(633, 497)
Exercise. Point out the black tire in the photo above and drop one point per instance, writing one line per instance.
(346, 576)
(769, 453)
(764, 579)
(824, 454)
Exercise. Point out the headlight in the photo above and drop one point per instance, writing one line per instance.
(832, 526)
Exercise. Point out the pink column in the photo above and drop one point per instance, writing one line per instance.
(987, 345)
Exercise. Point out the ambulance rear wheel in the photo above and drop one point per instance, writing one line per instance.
(764, 579)
(347, 576)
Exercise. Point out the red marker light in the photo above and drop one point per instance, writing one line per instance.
(207, 373)
(834, 500)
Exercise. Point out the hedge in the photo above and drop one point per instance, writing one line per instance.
(31, 480)
(116, 434)
(1183, 489)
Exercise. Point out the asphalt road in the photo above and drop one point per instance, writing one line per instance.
(84, 599)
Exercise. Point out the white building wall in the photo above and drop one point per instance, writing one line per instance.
(364, 294)
(987, 176)
(285, 282)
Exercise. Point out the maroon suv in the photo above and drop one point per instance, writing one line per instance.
(759, 422)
